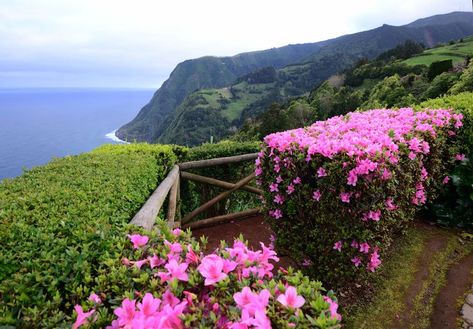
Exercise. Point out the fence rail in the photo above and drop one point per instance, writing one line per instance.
(170, 186)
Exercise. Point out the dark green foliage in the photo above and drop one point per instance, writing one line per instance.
(264, 75)
(439, 67)
(440, 85)
(59, 222)
(402, 51)
(455, 205)
(465, 83)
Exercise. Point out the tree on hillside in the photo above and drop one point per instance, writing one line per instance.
(389, 93)
(465, 83)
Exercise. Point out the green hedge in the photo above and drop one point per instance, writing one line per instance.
(60, 221)
(455, 205)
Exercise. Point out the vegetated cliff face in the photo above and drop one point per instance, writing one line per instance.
(202, 73)
(171, 118)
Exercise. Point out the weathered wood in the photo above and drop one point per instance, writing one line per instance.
(221, 219)
(146, 217)
(217, 161)
(172, 204)
(216, 182)
(218, 198)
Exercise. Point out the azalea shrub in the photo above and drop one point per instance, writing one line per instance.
(171, 283)
(336, 191)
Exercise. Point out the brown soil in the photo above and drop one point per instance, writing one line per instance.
(459, 279)
(435, 243)
(253, 229)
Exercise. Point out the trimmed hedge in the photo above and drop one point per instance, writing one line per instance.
(59, 222)
(337, 191)
(183, 288)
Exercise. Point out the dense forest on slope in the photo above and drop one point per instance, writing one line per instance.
(212, 97)
(403, 76)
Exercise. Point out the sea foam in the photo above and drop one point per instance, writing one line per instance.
(114, 137)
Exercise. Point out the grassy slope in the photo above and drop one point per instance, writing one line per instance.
(394, 287)
(456, 52)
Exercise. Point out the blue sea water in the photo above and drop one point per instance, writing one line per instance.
(39, 124)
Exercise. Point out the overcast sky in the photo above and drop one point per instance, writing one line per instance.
(137, 43)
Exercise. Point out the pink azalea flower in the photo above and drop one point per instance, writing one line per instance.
(446, 179)
(155, 261)
(290, 298)
(258, 171)
(423, 174)
(306, 263)
(356, 261)
(321, 172)
(138, 240)
(390, 204)
(290, 189)
(333, 307)
(149, 305)
(273, 187)
(211, 269)
(316, 195)
(191, 256)
(176, 270)
(174, 248)
(354, 244)
(364, 247)
(277, 213)
(95, 298)
(279, 179)
(345, 197)
(177, 232)
(297, 180)
(338, 245)
(279, 199)
(82, 317)
(460, 157)
(375, 261)
(126, 312)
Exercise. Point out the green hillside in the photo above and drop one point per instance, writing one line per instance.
(391, 80)
(298, 69)
(456, 52)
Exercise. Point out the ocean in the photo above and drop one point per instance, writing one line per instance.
(37, 125)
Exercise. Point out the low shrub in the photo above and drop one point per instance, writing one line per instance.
(60, 221)
(336, 191)
(163, 280)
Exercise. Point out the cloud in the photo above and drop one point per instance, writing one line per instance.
(123, 43)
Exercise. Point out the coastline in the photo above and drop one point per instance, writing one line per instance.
(112, 135)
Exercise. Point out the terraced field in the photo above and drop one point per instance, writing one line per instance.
(457, 52)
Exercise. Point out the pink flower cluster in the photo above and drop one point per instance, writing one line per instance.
(194, 284)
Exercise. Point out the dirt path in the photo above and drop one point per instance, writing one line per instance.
(459, 279)
(253, 229)
(436, 243)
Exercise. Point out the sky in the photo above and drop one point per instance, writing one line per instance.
(137, 43)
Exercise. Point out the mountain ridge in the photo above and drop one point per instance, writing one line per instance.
(299, 68)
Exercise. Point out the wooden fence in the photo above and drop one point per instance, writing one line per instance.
(146, 216)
